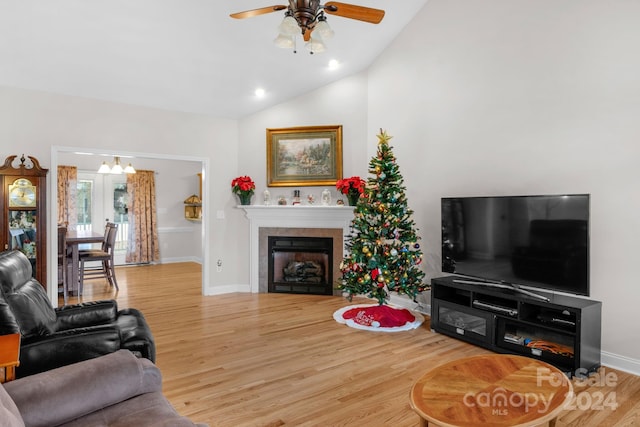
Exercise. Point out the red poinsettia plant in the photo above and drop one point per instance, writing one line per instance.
(243, 185)
(347, 185)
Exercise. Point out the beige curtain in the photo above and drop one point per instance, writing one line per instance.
(67, 195)
(142, 244)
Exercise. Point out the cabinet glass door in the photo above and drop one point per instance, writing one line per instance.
(462, 321)
(23, 233)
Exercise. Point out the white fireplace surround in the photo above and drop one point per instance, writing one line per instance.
(290, 217)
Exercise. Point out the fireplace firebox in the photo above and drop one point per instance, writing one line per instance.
(300, 265)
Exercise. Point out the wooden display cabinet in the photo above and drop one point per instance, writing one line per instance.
(23, 211)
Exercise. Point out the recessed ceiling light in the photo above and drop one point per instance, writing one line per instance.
(259, 93)
(334, 64)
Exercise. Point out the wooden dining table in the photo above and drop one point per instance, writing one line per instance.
(74, 240)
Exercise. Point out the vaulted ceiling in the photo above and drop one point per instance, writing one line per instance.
(183, 55)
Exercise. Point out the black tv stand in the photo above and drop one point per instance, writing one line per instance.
(503, 285)
(559, 329)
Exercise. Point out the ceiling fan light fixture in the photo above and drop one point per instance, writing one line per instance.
(323, 29)
(284, 41)
(307, 16)
(288, 26)
(315, 45)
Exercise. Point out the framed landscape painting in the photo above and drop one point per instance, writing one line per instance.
(304, 156)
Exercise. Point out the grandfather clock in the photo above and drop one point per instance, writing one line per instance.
(23, 206)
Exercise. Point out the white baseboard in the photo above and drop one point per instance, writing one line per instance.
(227, 289)
(172, 260)
(622, 363)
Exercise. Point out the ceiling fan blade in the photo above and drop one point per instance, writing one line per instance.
(256, 12)
(361, 13)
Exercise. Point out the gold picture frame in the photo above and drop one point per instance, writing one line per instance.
(304, 156)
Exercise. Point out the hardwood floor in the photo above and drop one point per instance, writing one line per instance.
(281, 360)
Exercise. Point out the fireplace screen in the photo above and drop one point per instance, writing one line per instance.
(300, 265)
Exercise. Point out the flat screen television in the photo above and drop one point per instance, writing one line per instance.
(534, 241)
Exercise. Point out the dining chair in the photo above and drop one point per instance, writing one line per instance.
(104, 255)
(90, 247)
(62, 262)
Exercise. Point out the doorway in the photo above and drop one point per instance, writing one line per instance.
(111, 203)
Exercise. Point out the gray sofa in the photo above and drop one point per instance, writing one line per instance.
(117, 389)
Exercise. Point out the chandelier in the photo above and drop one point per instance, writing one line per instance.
(116, 169)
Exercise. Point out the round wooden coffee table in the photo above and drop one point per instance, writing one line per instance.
(493, 389)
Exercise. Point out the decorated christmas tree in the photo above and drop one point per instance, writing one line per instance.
(383, 252)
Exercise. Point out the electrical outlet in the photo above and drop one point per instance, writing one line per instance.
(219, 266)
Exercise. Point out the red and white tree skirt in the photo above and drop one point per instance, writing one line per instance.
(375, 317)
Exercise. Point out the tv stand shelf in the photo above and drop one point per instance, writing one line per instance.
(558, 329)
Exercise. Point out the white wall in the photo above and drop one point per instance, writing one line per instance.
(529, 97)
(31, 122)
(342, 103)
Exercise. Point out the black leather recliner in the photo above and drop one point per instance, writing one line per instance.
(56, 337)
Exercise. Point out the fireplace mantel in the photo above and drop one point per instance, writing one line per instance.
(297, 213)
(292, 216)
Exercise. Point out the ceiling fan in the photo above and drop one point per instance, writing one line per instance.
(305, 16)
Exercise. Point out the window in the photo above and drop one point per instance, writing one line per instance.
(121, 214)
(84, 203)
